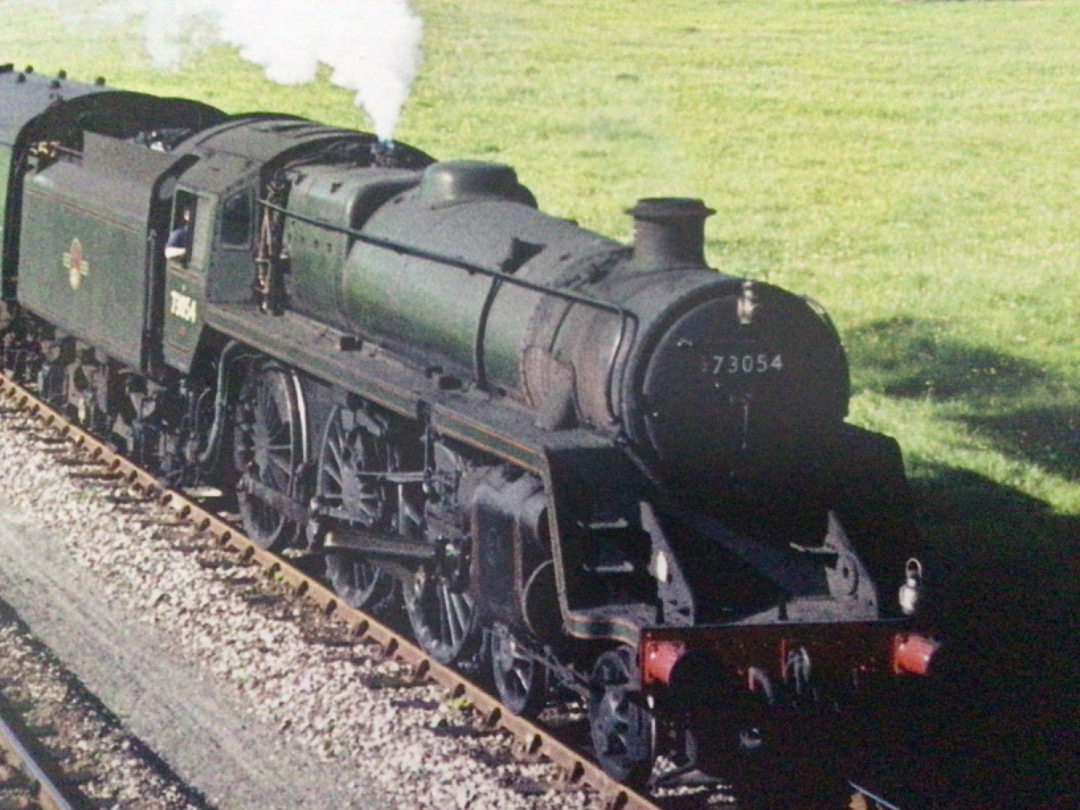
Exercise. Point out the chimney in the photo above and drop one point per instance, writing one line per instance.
(669, 232)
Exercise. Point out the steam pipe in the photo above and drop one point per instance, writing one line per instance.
(221, 401)
(460, 264)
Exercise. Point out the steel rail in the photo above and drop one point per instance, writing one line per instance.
(879, 802)
(47, 787)
(534, 740)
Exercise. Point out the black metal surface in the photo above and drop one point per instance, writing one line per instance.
(750, 378)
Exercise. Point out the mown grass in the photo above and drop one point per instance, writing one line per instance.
(911, 165)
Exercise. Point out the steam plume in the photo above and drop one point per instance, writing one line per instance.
(371, 46)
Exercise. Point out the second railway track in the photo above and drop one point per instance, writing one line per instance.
(61, 748)
(28, 777)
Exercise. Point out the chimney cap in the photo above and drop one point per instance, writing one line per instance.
(650, 208)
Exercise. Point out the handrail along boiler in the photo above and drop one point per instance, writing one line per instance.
(596, 468)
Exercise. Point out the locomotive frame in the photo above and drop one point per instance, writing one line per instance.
(597, 468)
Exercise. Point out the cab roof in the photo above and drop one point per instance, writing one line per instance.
(35, 106)
(239, 146)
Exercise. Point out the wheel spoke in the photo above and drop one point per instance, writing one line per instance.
(335, 454)
(282, 462)
(462, 612)
(445, 615)
(522, 675)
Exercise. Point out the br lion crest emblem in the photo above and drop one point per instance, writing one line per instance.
(78, 268)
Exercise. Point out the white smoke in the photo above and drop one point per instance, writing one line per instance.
(370, 46)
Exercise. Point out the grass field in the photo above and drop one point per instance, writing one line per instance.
(913, 166)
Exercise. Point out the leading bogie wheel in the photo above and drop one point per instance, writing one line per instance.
(520, 680)
(620, 723)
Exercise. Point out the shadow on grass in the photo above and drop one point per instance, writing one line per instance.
(1005, 571)
(1048, 436)
(906, 357)
(1027, 413)
(1002, 571)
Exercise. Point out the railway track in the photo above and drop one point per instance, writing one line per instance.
(533, 740)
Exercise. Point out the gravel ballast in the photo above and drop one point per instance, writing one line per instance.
(253, 700)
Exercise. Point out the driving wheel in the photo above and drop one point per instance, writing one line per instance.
(348, 488)
(441, 610)
(269, 450)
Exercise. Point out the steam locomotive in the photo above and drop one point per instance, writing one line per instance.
(599, 470)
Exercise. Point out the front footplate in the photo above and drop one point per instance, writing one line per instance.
(787, 710)
(789, 659)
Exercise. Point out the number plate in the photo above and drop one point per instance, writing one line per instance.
(719, 365)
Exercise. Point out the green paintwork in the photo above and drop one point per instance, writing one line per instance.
(423, 305)
(341, 199)
(5, 174)
(185, 294)
(85, 271)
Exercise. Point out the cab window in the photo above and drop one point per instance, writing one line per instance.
(178, 243)
(236, 221)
